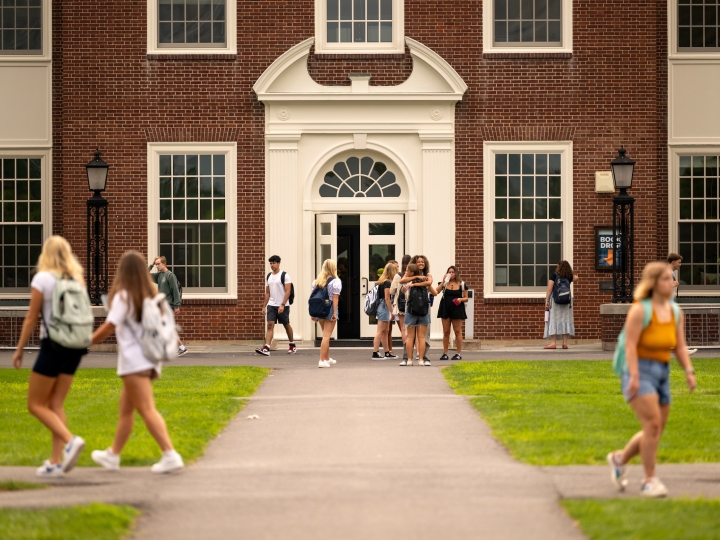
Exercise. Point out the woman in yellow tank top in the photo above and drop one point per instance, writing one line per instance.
(646, 385)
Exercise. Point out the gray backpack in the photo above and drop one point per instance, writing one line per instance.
(71, 320)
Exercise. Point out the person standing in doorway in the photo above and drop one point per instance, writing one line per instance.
(654, 327)
(398, 298)
(328, 279)
(561, 320)
(276, 306)
(384, 312)
(675, 262)
(452, 310)
(393, 316)
(167, 284)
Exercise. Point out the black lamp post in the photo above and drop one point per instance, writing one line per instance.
(623, 229)
(97, 230)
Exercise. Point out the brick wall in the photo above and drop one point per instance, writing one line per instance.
(612, 90)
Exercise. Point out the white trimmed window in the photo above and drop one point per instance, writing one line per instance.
(192, 194)
(359, 26)
(527, 26)
(25, 218)
(192, 27)
(695, 219)
(25, 29)
(528, 216)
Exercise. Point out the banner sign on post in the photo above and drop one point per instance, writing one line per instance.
(604, 250)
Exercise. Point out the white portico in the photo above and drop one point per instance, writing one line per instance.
(376, 159)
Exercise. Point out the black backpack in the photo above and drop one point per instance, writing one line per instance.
(561, 290)
(282, 280)
(418, 302)
(320, 304)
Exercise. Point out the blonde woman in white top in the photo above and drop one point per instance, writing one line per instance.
(53, 372)
(328, 273)
(131, 286)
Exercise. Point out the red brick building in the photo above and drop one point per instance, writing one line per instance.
(470, 132)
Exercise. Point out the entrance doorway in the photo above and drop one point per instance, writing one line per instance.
(361, 244)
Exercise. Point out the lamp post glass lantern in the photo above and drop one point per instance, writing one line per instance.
(97, 230)
(623, 229)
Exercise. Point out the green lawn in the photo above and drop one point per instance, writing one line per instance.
(638, 519)
(197, 402)
(572, 412)
(16, 485)
(91, 522)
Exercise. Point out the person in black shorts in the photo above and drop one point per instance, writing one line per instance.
(452, 310)
(276, 306)
(53, 372)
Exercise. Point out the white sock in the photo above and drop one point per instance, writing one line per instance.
(169, 453)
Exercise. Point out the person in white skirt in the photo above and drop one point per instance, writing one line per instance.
(561, 320)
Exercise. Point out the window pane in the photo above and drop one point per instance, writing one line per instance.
(386, 10)
(332, 10)
(500, 9)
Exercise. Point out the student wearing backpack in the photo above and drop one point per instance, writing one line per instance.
(417, 309)
(279, 294)
(384, 312)
(558, 301)
(53, 372)
(653, 328)
(131, 287)
(168, 284)
(398, 298)
(326, 291)
(452, 310)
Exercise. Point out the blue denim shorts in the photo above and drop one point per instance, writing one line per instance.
(654, 379)
(382, 311)
(417, 320)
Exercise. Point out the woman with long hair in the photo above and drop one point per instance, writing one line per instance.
(53, 372)
(417, 324)
(132, 285)
(646, 383)
(561, 320)
(384, 312)
(452, 310)
(399, 303)
(328, 277)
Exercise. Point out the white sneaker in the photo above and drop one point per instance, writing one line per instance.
(332, 361)
(324, 363)
(110, 461)
(692, 351)
(618, 473)
(168, 463)
(48, 470)
(71, 453)
(653, 488)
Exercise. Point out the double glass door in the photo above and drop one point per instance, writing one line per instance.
(361, 245)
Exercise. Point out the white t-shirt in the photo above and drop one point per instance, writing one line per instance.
(45, 283)
(277, 289)
(334, 288)
(127, 330)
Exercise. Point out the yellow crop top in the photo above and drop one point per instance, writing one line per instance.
(658, 339)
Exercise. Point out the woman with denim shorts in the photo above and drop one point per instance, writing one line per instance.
(417, 275)
(384, 312)
(646, 384)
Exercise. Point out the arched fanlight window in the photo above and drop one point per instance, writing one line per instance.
(357, 177)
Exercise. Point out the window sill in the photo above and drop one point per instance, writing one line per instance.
(329, 55)
(174, 56)
(524, 300)
(510, 55)
(209, 301)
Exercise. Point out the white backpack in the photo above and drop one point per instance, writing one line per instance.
(371, 301)
(71, 320)
(159, 341)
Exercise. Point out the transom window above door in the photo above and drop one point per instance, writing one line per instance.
(360, 177)
(359, 26)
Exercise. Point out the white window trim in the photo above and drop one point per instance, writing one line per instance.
(674, 207)
(489, 32)
(565, 149)
(230, 34)
(396, 46)
(673, 39)
(46, 40)
(230, 150)
(45, 154)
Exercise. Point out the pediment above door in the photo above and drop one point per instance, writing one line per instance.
(432, 79)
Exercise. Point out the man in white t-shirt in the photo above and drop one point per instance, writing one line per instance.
(278, 291)
(675, 262)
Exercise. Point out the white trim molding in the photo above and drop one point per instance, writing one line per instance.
(230, 47)
(565, 148)
(396, 46)
(45, 155)
(153, 186)
(488, 7)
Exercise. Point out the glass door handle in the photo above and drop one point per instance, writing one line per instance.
(364, 286)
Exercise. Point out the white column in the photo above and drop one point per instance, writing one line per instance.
(437, 206)
(282, 216)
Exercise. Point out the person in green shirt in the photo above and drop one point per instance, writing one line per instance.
(167, 284)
